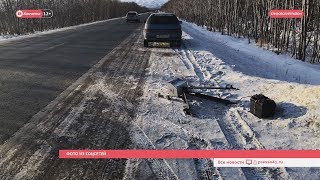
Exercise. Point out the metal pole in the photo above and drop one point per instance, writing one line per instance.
(203, 87)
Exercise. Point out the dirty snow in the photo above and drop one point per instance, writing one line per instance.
(208, 58)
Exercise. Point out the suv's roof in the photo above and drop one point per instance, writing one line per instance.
(132, 12)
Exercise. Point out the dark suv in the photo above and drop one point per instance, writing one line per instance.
(132, 16)
(163, 27)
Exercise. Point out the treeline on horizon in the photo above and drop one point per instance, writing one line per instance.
(247, 18)
(66, 13)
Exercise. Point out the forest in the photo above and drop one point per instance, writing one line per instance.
(66, 13)
(249, 19)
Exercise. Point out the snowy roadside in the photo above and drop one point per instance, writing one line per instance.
(163, 125)
(9, 38)
(297, 98)
(210, 58)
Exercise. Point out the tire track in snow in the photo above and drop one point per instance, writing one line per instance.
(160, 167)
(251, 139)
(203, 169)
(238, 139)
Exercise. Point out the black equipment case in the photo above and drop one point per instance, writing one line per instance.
(262, 107)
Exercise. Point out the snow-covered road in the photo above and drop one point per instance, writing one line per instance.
(209, 58)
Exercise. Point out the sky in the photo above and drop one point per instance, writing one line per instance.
(149, 3)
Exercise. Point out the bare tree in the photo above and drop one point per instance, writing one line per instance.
(249, 19)
(66, 13)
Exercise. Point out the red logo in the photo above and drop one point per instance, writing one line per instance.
(19, 13)
(29, 14)
(281, 14)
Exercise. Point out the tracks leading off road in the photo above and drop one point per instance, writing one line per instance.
(93, 113)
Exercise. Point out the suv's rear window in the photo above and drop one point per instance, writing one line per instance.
(163, 20)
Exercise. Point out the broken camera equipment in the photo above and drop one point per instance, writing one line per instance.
(180, 88)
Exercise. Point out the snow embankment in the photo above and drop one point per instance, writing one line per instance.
(252, 60)
(293, 84)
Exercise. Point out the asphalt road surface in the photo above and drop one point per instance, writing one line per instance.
(35, 70)
(39, 115)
